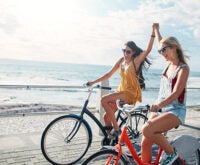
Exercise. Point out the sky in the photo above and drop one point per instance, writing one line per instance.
(94, 31)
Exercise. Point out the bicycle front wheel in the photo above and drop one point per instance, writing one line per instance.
(66, 140)
(194, 159)
(104, 157)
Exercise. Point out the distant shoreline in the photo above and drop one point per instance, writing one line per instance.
(31, 108)
(35, 108)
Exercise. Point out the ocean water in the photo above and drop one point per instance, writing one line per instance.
(15, 72)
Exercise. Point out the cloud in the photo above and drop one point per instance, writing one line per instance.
(8, 24)
(70, 32)
(180, 14)
(8, 21)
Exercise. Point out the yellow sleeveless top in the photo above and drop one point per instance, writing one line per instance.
(129, 85)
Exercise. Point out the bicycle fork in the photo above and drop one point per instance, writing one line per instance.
(74, 131)
(77, 124)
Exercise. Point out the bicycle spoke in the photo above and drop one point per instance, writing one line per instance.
(57, 149)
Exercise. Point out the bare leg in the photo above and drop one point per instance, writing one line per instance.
(146, 149)
(154, 128)
(109, 110)
(106, 117)
(107, 120)
(146, 145)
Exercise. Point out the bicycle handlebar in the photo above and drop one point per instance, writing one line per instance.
(103, 87)
(97, 86)
(90, 89)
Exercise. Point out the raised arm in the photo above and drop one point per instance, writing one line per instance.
(151, 41)
(139, 59)
(108, 74)
(157, 32)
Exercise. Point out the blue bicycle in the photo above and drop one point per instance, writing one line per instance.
(72, 131)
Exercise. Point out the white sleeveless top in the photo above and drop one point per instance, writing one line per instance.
(166, 87)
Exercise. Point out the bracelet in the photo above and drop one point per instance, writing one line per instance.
(159, 107)
(153, 36)
(154, 109)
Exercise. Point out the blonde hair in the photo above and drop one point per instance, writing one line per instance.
(173, 42)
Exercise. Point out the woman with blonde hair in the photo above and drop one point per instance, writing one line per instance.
(171, 101)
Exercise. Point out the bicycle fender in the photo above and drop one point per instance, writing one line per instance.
(185, 145)
(86, 124)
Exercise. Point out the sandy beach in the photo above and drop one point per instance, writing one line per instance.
(31, 108)
(14, 109)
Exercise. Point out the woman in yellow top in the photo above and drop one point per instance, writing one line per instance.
(130, 65)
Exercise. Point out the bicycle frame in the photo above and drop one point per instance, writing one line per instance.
(124, 138)
(93, 117)
(99, 124)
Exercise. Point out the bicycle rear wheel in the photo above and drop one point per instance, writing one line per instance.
(194, 159)
(61, 136)
(104, 157)
(135, 128)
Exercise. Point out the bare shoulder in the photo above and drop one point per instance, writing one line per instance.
(120, 60)
(117, 64)
(184, 70)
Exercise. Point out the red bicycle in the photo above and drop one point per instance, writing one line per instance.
(116, 155)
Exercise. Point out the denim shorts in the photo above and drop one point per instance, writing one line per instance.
(179, 110)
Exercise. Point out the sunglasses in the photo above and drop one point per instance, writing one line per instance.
(163, 49)
(126, 51)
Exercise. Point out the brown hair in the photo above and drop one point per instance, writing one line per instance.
(144, 65)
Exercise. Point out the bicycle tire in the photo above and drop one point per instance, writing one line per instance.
(138, 120)
(135, 130)
(101, 158)
(54, 145)
(194, 159)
